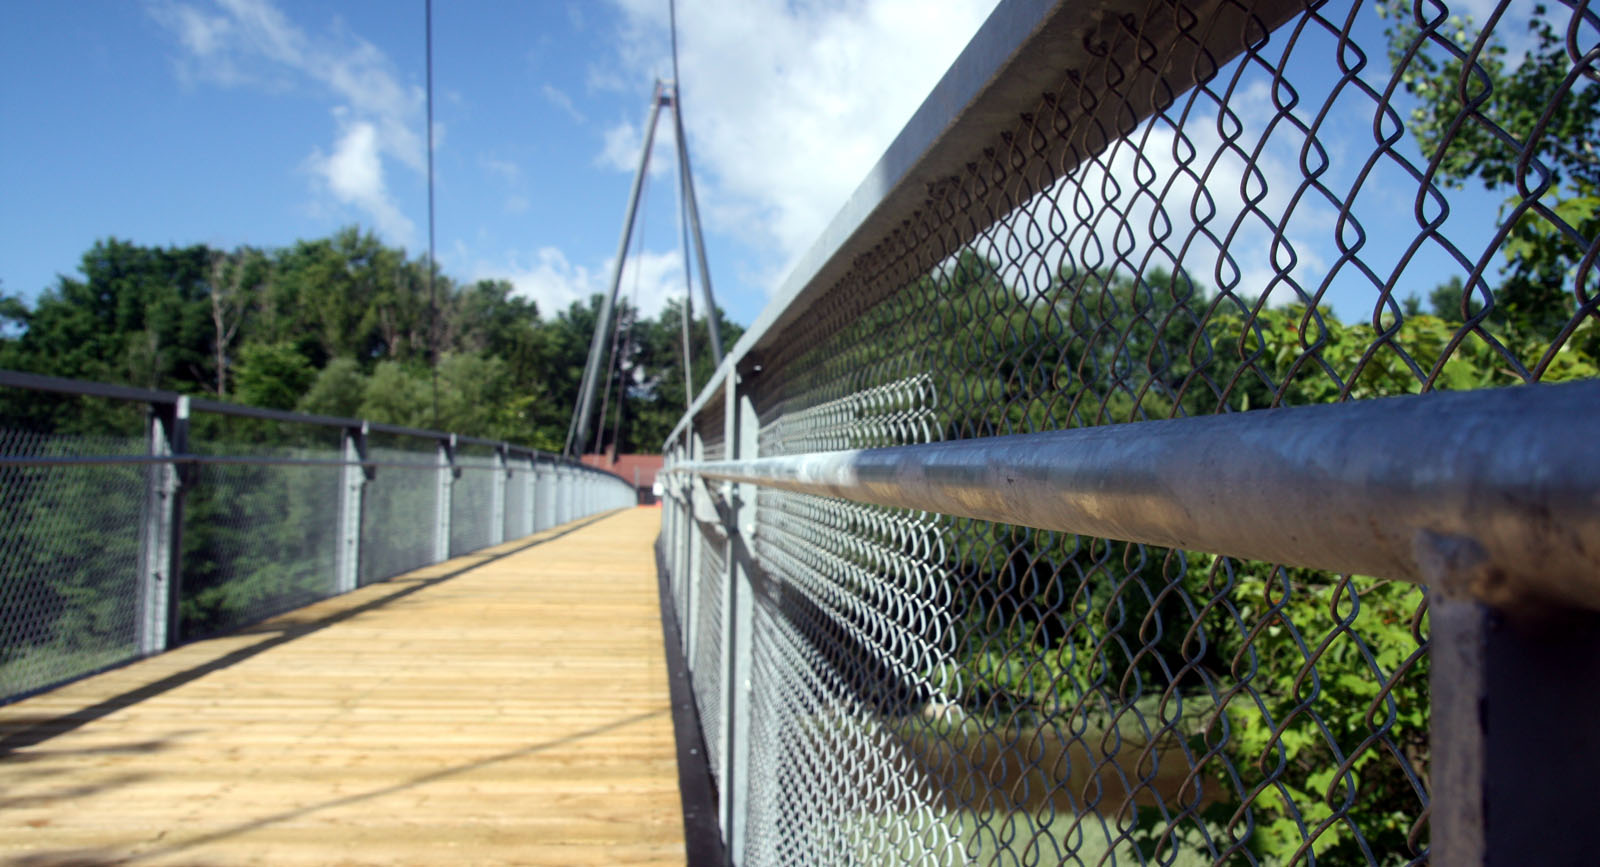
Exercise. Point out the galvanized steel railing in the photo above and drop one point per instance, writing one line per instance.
(147, 518)
(1012, 532)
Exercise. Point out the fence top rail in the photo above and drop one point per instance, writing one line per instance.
(1003, 75)
(82, 388)
(63, 385)
(243, 460)
(1494, 485)
(936, 142)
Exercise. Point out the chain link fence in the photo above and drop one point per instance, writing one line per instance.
(480, 479)
(402, 495)
(76, 528)
(1146, 212)
(257, 540)
(181, 519)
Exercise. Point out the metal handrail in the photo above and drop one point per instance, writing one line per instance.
(1371, 487)
(84, 388)
(1007, 71)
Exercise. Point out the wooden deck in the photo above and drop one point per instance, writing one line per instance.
(508, 707)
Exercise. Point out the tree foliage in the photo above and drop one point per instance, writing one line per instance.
(1524, 124)
(1301, 693)
(344, 326)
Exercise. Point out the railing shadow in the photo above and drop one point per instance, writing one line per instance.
(24, 731)
(108, 856)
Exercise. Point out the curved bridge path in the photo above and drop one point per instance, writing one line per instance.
(507, 707)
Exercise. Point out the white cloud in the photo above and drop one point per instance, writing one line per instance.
(788, 105)
(624, 140)
(354, 174)
(506, 169)
(200, 33)
(554, 283)
(558, 98)
(621, 148)
(239, 42)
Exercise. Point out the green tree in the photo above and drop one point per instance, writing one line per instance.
(235, 279)
(339, 390)
(397, 394)
(273, 375)
(139, 315)
(1521, 124)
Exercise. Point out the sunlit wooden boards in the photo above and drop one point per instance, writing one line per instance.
(509, 707)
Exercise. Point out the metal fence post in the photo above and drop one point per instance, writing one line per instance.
(353, 477)
(161, 575)
(740, 430)
(1508, 688)
(497, 494)
(441, 503)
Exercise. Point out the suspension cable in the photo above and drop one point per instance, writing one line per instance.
(615, 365)
(627, 349)
(433, 302)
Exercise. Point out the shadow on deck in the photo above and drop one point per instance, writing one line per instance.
(509, 706)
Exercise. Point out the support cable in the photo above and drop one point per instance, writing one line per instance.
(688, 279)
(686, 182)
(614, 364)
(578, 430)
(433, 303)
(627, 352)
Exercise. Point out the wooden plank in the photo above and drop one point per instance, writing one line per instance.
(508, 707)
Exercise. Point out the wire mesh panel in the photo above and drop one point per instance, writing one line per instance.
(135, 519)
(397, 509)
(843, 642)
(70, 540)
(676, 520)
(472, 504)
(261, 538)
(712, 572)
(518, 516)
(1210, 210)
(709, 425)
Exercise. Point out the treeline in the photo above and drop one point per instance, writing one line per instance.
(345, 326)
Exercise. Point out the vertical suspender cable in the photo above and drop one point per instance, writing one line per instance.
(683, 214)
(578, 430)
(688, 280)
(622, 381)
(684, 219)
(689, 205)
(433, 304)
(614, 362)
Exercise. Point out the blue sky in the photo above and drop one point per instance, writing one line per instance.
(264, 121)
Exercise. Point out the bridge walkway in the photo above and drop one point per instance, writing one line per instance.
(507, 707)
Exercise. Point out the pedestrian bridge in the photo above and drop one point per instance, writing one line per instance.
(508, 706)
(1096, 491)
